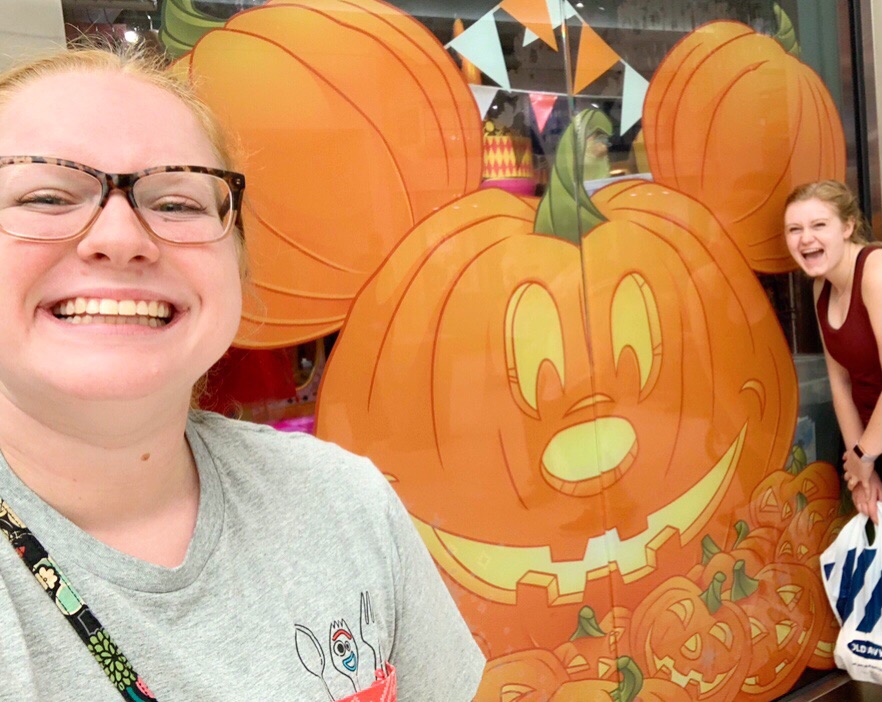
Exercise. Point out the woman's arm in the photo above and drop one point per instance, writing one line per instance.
(861, 472)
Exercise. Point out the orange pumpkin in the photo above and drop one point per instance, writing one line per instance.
(592, 650)
(525, 676)
(632, 687)
(386, 123)
(785, 606)
(693, 638)
(736, 122)
(463, 372)
(804, 536)
(774, 502)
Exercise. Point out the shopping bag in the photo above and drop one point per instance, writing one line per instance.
(852, 573)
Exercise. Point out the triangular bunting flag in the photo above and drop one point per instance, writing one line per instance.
(569, 10)
(484, 95)
(634, 93)
(480, 45)
(529, 37)
(554, 18)
(535, 16)
(543, 104)
(595, 58)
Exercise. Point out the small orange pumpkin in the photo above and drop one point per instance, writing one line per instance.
(387, 124)
(526, 676)
(736, 122)
(694, 638)
(774, 501)
(593, 649)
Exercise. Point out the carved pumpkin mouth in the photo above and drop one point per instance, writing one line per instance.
(495, 570)
(666, 669)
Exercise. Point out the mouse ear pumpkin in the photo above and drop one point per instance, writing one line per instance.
(354, 124)
(736, 122)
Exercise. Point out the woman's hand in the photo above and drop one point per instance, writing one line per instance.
(866, 499)
(857, 472)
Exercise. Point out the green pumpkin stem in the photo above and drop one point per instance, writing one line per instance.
(742, 529)
(566, 210)
(709, 549)
(632, 680)
(588, 625)
(786, 34)
(801, 502)
(798, 460)
(743, 585)
(713, 596)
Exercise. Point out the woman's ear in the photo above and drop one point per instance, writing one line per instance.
(849, 229)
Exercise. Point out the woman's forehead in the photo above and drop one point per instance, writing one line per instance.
(109, 120)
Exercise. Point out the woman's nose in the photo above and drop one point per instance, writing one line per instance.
(117, 236)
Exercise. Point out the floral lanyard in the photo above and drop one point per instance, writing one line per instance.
(115, 665)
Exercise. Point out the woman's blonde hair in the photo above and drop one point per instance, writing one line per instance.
(844, 203)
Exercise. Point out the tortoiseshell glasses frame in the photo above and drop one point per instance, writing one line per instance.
(228, 212)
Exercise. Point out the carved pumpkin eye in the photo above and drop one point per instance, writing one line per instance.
(692, 648)
(533, 334)
(757, 630)
(724, 633)
(684, 609)
(636, 325)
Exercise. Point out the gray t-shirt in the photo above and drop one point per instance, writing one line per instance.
(291, 533)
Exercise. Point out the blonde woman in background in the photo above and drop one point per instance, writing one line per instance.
(829, 239)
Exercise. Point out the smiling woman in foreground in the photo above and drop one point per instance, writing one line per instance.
(191, 557)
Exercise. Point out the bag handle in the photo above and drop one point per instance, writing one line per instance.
(78, 614)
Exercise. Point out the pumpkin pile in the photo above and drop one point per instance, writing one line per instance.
(577, 399)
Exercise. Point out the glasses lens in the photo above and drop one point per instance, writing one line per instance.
(42, 201)
(185, 207)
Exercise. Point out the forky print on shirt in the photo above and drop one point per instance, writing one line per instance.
(345, 658)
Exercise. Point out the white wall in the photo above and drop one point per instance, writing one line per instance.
(876, 11)
(29, 28)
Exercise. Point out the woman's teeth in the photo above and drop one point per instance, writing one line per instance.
(92, 310)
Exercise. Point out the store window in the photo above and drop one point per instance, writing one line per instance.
(527, 256)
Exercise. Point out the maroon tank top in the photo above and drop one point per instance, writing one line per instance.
(853, 345)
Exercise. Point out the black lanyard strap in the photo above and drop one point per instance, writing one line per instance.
(95, 637)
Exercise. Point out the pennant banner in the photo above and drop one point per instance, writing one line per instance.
(480, 45)
(484, 96)
(595, 58)
(633, 95)
(553, 19)
(535, 15)
(543, 104)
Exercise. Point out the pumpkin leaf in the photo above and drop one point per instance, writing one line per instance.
(798, 460)
(743, 585)
(786, 34)
(709, 549)
(566, 210)
(588, 625)
(631, 682)
(801, 502)
(713, 596)
(742, 529)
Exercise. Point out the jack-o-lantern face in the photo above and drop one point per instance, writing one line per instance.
(692, 638)
(542, 437)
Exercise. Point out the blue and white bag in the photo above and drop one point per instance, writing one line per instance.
(851, 569)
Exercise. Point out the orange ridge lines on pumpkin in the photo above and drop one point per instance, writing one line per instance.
(292, 322)
(687, 79)
(340, 93)
(391, 54)
(423, 262)
(471, 105)
(301, 293)
(511, 479)
(451, 288)
(299, 247)
(719, 103)
(684, 227)
(657, 121)
(786, 168)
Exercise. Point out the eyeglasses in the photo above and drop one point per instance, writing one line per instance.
(50, 199)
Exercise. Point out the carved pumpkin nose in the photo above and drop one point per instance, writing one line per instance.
(586, 458)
